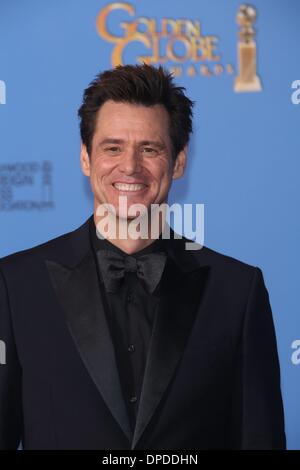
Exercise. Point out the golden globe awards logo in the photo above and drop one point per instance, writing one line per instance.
(181, 44)
(178, 42)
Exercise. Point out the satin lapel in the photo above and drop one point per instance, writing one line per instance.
(77, 290)
(182, 285)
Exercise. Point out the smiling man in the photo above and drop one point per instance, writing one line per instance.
(135, 342)
(131, 156)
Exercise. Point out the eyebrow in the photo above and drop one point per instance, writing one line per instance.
(143, 142)
(111, 141)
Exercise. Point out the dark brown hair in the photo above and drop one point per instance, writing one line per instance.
(138, 84)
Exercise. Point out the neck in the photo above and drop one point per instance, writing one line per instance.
(130, 235)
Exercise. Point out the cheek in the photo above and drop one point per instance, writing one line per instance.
(160, 170)
(102, 167)
(165, 176)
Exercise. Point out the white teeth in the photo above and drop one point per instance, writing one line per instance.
(129, 187)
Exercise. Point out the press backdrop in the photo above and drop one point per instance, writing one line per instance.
(244, 153)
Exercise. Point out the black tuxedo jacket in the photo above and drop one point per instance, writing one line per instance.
(212, 378)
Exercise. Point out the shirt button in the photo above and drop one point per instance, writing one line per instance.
(131, 348)
(129, 297)
(133, 399)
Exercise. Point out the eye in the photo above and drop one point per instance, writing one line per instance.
(149, 151)
(113, 149)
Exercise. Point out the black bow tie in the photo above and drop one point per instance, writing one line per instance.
(148, 267)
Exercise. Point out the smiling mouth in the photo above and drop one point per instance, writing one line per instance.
(129, 186)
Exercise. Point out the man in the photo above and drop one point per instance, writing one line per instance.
(125, 342)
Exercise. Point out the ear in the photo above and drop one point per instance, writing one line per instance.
(84, 160)
(179, 165)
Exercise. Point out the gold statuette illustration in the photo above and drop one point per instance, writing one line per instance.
(247, 80)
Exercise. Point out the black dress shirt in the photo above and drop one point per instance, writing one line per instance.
(130, 316)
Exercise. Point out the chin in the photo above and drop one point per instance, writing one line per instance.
(124, 214)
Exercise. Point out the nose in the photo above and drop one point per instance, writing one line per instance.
(130, 162)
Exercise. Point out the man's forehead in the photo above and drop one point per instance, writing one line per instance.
(141, 121)
(115, 109)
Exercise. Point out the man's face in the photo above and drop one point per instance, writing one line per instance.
(131, 156)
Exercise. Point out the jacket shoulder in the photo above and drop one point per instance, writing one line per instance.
(225, 269)
(207, 255)
(221, 259)
(54, 248)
